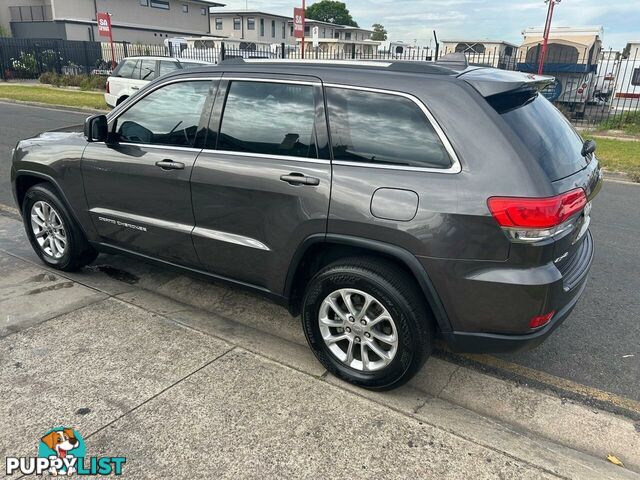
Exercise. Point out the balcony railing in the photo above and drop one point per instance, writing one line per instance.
(33, 13)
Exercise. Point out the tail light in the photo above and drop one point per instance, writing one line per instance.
(107, 87)
(536, 219)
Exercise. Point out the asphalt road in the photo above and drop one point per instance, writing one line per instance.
(598, 346)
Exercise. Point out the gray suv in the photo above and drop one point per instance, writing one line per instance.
(388, 203)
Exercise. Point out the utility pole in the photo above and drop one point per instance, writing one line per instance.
(547, 31)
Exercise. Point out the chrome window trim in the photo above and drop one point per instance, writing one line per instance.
(455, 167)
(160, 146)
(266, 156)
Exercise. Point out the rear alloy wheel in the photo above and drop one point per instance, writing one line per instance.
(358, 330)
(367, 323)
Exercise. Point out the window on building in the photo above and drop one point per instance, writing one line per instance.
(269, 118)
(324, 33)
(203, 11)
(508, 50)
(382, 128)
(167, 116)
(237, 25)
(219, 25)
(251, 23)
(185, 8)
(144, 3)
(163, 4)
(262, 27)
(291, 30)
(284, 30)
(635, 78)
(273, 29)
(347, 35)
(307, 30)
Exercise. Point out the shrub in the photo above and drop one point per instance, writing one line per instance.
(25, 66)
(629, 122)
(85, 82)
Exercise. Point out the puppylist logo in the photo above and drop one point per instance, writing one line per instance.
(62, 452)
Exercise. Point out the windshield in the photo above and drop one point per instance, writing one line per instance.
(547, 134)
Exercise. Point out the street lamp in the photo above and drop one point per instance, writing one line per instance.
(547, 30)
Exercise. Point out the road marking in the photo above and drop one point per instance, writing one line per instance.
(553, 381)
(8, 209)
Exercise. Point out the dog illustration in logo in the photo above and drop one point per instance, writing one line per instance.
(61, 442)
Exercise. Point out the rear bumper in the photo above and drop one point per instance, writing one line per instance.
(471, 342)
(110, 99)
(560, 293)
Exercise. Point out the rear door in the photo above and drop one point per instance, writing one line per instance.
(120, 80)
(262, 184)
(137, 185)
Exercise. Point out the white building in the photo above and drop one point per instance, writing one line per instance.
(492, 53)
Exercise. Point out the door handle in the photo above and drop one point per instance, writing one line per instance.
(299, 179)
(135, 88)
(168, 164)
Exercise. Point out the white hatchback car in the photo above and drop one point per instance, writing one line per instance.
(133, 73)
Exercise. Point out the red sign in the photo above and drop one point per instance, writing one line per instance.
(298, 22)
(104, 24)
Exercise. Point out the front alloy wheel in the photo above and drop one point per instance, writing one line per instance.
(48, 229)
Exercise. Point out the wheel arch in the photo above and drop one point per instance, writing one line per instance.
(319, 250)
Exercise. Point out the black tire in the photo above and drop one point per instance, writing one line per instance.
(78, 252)
(120, 100)
(396, 291)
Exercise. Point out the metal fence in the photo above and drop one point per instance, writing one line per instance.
(592, 88)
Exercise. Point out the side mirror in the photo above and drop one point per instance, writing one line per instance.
(588, 147)
(96, 129)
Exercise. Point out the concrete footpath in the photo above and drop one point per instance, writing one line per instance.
(189, 379)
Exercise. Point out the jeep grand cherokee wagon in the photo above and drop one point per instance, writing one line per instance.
(388, 203)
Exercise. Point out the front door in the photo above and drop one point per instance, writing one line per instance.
(137, 185)
(262, 184)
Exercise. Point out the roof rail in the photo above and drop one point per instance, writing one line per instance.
(391, 64)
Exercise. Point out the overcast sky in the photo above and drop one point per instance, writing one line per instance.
(411, 20)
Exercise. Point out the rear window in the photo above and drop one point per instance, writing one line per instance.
(544, 130)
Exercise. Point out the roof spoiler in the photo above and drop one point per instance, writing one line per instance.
(453, 61)
(491, 81)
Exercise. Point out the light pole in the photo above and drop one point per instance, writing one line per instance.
(547, 30)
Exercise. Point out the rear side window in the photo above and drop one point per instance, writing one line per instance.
(125, 69)
(382, 128)
(167, 116)
(269, 118)
(167, 67)
(546, 133)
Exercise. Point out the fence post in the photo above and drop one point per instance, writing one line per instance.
(2, 62)
(125, 49)
(222, 51)
(283, 55)
(58, 50)
(86, 57)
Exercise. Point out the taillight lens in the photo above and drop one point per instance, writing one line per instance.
(534, 219)
(107, 87)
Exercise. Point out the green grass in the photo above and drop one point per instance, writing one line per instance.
(628, 122)
(619, 156)
(53, 96)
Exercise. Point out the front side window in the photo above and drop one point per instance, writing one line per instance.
(251, 23)
(269, 118)
(382, 128)
(146, 70)
(236, 24)
(126, 68)
(167, 116)
(218, 24)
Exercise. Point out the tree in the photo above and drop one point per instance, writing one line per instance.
(379, 33)
(330, 11)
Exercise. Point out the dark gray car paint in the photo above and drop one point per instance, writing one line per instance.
(473, 277)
